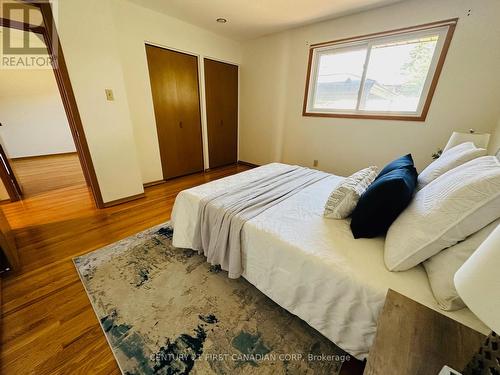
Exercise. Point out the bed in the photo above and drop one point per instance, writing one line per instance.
(312, 266)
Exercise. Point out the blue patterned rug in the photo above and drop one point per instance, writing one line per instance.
(166, 311)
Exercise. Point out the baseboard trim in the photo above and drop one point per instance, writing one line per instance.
(240, 162)
(124, 200)
(220, 167)
(248, 164)
(44, 156)
(153, 183)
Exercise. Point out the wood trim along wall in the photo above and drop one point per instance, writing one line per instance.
(11, 191)
(63, 81)
(69, 101)
(153, 183)
(308, 80)
(124, 200)
(241, 162)
(8, 243)
(439, 68)
(8, 178)
(425, 26)
(43, 156)
(451, 23)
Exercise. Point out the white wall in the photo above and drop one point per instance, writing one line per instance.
(103, 43)
(159, 29)
(263, 103)
(32, 115)
(273, 79)
(89, 40)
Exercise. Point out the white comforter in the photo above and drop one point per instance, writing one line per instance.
(312, 266)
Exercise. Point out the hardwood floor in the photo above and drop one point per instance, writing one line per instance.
(48, 325)
(40, 174)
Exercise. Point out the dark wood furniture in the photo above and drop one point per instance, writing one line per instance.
(221, 91)
(176, 100)
(413, 339)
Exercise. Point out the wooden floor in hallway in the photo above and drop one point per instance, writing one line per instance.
(48, 325)
(41, 174)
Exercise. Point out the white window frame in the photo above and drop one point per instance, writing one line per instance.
(443, 29)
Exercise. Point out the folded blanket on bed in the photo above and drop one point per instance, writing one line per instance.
(222, 216)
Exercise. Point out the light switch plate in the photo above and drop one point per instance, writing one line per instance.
(109, 94)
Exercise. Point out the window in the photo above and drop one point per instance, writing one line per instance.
(390, 75)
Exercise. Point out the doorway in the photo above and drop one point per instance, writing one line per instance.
(46, 33)
(221, 92)
(37, 147)
(176, 101)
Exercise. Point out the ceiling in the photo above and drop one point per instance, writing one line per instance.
(248, 19)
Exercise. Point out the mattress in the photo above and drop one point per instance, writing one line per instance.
(312, 266)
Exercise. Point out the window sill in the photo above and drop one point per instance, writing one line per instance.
(419, 118)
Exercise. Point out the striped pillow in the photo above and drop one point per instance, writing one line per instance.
(345, 196)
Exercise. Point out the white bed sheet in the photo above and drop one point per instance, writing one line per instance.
(312, 266)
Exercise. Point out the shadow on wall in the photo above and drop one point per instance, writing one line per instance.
(495, 140)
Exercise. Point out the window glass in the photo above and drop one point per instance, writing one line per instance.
(381, 75)
(339, 79)
(396, 75)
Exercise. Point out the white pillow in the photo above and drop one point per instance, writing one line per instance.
(450, 208)
(450, 159)
(345, 196)
(441, 268)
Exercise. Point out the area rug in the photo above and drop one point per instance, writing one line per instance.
(166, 311)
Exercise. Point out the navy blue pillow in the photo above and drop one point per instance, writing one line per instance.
(384, 200)
(402, 162)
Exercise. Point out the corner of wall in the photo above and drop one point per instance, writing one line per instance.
(264, 77)
(159, 29)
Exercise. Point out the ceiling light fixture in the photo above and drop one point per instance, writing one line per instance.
(221, 20)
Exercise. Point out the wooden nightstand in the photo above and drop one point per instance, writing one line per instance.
(413, 339)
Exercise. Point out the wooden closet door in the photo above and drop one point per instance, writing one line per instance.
(221, 87)
(176, 100)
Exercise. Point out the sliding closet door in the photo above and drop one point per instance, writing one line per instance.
(221, 87)
(174, 85)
